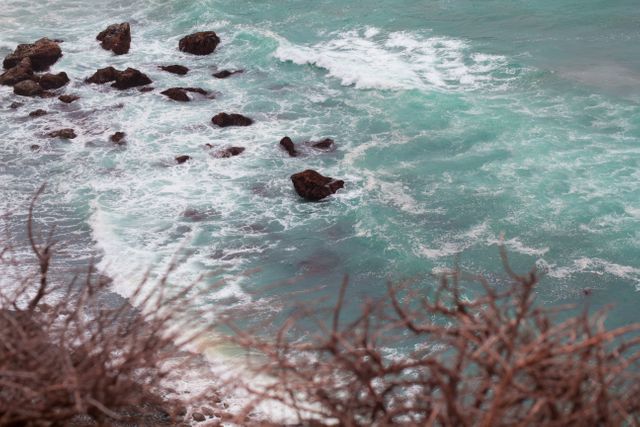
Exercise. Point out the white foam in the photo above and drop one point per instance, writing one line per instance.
(401, 61)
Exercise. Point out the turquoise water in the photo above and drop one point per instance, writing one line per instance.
(455, 121)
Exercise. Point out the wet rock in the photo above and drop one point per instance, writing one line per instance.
(201, 43)
(224, 120)
(34, 147)
(226, 73)
(118, 138)
(289, 146)
(103, 75)
(37, 113)
(68, 99)
(175, 69)
(22, 71)
(146, 89)
(199, 417)
(27, 88)
(43, 53)
(311, 185)
(116, 37)
(182, 159)
(66, 133)
(229, 152)
(326, 144)
(180, 93)
(16, 105)
(53, 81)
(207, 411)
(130, 78)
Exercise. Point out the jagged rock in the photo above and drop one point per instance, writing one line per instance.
(103, 75)
(182, 159)
(53, 81)
(224, 120)
(37, 113)
(229, 152)
(289, 146)
(27, 88)
(226, 73)
(116, 37)
(175, 69)
(43, 53)
(201, 43)
(311, 185)
(180, 93)
(118, 138)
(68, 99)
(197, 416)
(22, 71)
(66, 133)
(130, 78)
(325, 144)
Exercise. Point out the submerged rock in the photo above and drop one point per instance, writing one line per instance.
(116, 37)
(15, 105)
(182, 159)
(175, 69)
(118, 138)
(68, 99)
(289, 146)
(34, 147)
(130, 78)
(180, 93)
(229, 152)
(43, 53)
(201, 43)
(224, 120)
(22, 71)
(37, 113)
(53, 81)
(326, 144)
(27, 88)
(66, 133)
(311, 185)
(103, 75)
(226, 73)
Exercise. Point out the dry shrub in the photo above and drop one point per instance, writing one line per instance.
(493, 359)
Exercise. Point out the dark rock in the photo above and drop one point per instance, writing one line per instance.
(146, 89)
(289, 146)
(201, 43)
(197, 416)
(37, 113)
(207, 411)
(118, 138)
(130, 78)
(313, 186)
(34, 147)
(325, 144)
(68, 99)
(103, 75)
(15, 105)
(226, 73)
(182, 159)
(43, 53)
(224, 120)
(180, 93)
(22, 71)
(229, 152)
(67, 133)
(47, 94)
(27, 88)
(116, 37)
(175, 69)
(53, 81)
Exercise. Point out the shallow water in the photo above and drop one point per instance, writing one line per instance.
(455, 121)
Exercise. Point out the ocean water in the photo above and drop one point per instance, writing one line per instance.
(455, 121)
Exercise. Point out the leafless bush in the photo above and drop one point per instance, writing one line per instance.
(495, 359)
(66, 355)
